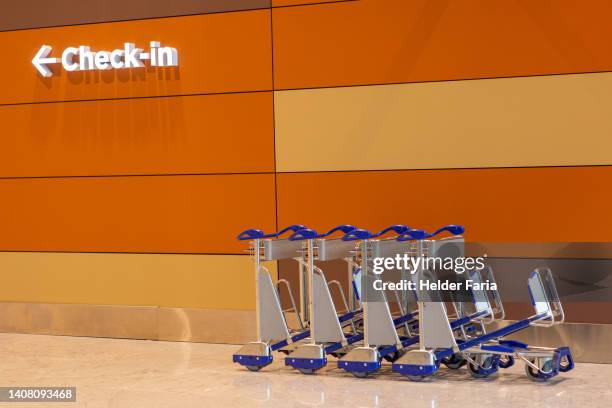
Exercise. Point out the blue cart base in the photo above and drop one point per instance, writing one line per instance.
(305, 365)
(253, 363)
(360, 368)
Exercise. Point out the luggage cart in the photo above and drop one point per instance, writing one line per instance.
(488, 352)
(327, 335)
(380, 329)
(481, 301)
(464, 322)
(272, 330)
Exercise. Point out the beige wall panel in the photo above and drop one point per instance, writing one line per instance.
(206, 325)
(196, 281)
(126, 322)
(536, 121)
(129, 322)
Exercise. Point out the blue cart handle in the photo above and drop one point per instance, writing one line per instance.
(420, 234)
(397, 228)
(346, 228)
(306, 233)
(357, 234)
(258, 234)
(453, 229)
(292, 228)
(412, 235)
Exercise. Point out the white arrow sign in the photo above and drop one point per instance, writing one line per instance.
(41, 59)
(82, 58)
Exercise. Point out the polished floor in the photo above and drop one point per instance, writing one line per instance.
(132, 374)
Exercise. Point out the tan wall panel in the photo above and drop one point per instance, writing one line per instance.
(224, 52)
(159, 214)
(538, 121)
(206, 325)
(131, 322)
(191, 281)
(188, 134)
(127, 322)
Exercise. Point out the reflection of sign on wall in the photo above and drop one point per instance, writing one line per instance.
(83, 59)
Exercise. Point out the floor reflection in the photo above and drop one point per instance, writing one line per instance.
(133, 374)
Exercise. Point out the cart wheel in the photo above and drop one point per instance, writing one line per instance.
(360, 374)
(307, 370)
(454, 362)
(486, 366)
(539, 375)
(393, 356)
(254, 368)
(506, 361)
(416, 378)
(564, 363)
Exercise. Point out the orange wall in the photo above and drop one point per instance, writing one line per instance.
(203, 119)
(159, 214)
(229, 133)
(179, 160)
(153, 160)
(388, 41)
(225, 52)
(514, 205)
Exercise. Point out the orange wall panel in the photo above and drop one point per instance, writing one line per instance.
(387, 41)
(163, 214)
(224, 52)
(564, 204)
(191, 134)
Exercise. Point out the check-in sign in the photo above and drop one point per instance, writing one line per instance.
(82, 58)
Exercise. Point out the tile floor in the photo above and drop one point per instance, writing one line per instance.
(133, 374)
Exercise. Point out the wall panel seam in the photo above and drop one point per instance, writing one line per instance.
(443, 169)
(274, 122)
(139, 175)
(372, 84)
(304, 88)
(137, 97)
